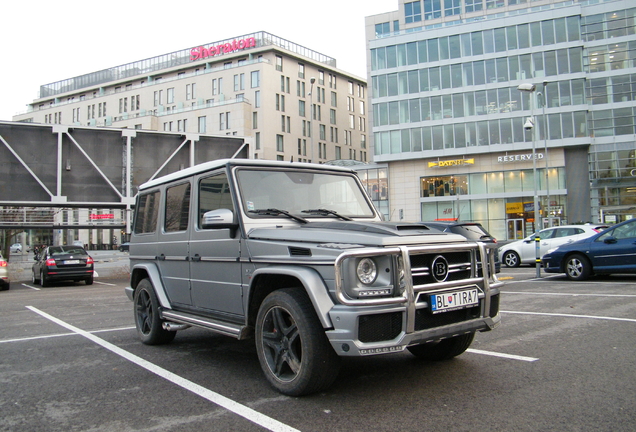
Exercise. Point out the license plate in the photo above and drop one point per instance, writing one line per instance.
(450, 301)
(71, 262)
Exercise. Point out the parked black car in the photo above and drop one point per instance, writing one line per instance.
(610, 251)
(472, 231)
(124, 247)
(57, 263)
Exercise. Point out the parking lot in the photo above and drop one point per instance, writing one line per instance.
(563, 359)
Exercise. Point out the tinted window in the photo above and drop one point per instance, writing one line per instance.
(177, 207)
(146, 214)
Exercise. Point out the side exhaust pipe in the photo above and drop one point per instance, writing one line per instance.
(170, 326)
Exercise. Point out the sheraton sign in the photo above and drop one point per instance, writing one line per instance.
(200, 52)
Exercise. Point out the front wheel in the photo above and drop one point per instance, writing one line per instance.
(147, 320)
(292, 348)
(445, 349)
(511, 259)
(577, 267)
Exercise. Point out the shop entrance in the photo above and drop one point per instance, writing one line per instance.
(515, 229)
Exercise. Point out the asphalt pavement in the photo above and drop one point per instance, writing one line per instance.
(563, 359)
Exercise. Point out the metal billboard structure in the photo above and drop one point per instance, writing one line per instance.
(62, 166)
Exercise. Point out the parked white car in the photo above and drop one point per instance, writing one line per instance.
(524, 251)
(18, 248)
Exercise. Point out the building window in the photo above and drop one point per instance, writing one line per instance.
(432, 9)
(474, 5)
(323, 132)
(452, 7)
(301, 108)
(202, 125)
(334, 99)
(382, 29)
(239, 82)
(412, 12)
(338, 153)
(255, 79)
(332, 116)
(257, 99)
(257, 141)
(280, 146)
(254, 120)
(279, 63)
(301, 70)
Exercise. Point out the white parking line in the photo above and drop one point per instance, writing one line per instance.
(32, 287)
(571, 316)
(104, 283)
(235, 407)
(508, 356)
(63, 334)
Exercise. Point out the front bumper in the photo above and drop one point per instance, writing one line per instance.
(377, 326)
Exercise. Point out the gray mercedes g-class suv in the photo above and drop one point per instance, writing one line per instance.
(296, 256)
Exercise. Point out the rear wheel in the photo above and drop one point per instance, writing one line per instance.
(577, 267)
(444, 349)
(511, 259)
(147, 320)
(34, 279)
(292, 348)
(89, 280)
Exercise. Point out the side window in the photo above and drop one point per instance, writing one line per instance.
(146, 214)
(625, 231)
(214, 193)
(546, 234)
(177, 208)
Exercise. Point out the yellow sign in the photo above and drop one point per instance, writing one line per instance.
(514, 207)
(448, 163)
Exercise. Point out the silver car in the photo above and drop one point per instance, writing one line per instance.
(524, 251)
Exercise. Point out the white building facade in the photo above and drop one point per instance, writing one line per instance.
(451, 123)
(256, 85)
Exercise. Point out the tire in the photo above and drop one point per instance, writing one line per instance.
(577, 267)
(5, 287)
(292, 347)
(147, 320)
(89, 280)
(43, 280)
(511, 259)
(445, 349)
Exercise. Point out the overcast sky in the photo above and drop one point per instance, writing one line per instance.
(47, 41)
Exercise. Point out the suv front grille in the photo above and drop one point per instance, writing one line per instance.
(459, 267)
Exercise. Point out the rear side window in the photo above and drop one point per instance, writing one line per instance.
(146, 213)
(471, 232)
(177, 208)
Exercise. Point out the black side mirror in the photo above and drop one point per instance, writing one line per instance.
(610, 240)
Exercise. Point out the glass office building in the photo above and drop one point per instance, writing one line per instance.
(478, 105)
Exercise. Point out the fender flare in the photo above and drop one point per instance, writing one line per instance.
(155, 279)
(313, 285)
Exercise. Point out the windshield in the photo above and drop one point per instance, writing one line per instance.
(296, 192)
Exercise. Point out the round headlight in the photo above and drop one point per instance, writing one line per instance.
(367, 271)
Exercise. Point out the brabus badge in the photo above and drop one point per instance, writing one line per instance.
(439, 268)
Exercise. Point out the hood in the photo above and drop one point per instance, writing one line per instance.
(357, 233)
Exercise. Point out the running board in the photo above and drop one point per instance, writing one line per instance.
(237, 331)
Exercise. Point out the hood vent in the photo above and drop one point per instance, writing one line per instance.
(297, 251)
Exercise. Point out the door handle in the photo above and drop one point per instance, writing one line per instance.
(161, 257)
(196, 257)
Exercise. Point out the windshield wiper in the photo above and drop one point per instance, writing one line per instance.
(326, 212)
(277, 212)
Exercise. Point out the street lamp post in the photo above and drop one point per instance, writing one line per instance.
(545, 156)
(312, 80)
(529, 125)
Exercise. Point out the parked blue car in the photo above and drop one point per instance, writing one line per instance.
(610, 251)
